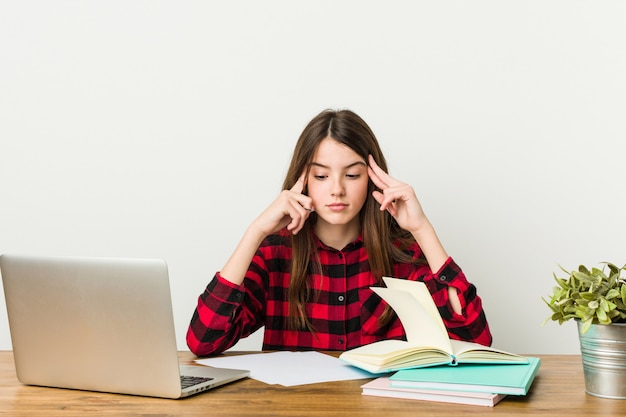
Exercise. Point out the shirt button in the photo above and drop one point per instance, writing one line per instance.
(341, 298)
(340, 341)
(443, 278)
(339, 255)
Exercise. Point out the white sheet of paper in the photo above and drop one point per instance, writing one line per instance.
(289, 368)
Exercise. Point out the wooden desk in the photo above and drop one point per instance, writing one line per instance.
(558, 390)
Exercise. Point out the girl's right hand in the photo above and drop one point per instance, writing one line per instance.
(291, 209)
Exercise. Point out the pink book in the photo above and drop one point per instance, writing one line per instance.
(381, 387)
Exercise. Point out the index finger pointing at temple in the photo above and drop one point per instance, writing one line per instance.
(382, 176)
(299, 185)
(377, 174)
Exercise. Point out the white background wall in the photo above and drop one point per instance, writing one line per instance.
(162, 128)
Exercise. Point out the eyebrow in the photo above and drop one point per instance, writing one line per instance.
(317, 164)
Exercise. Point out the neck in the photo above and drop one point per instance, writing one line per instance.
(337, 236)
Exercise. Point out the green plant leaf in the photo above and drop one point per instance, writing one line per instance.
(586, 326)
(589, 296)
(583, 277)
(612, 293)
(614, 270)
(562, 283)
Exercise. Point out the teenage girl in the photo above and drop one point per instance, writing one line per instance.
(304, 267)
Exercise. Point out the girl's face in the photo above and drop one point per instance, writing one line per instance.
(337, 184)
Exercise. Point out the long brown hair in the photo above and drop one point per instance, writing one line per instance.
(381, 234)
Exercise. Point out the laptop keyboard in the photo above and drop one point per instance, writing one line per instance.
(188, 381)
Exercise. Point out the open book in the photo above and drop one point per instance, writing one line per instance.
(427, 341)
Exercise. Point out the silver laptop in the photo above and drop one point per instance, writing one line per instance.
(98, 324)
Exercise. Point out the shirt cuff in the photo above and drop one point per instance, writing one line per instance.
(225, 291)
(449, 273)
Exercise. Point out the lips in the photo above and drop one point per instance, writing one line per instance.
(337, 206)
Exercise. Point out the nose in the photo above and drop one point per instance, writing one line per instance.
(338, 188)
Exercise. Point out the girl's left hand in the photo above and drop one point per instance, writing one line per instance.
(400, 201)
(397, 198)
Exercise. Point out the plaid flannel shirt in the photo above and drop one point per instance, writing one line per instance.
(344, 310)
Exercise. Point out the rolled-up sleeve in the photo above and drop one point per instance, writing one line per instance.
(471, 325)
(222, 316)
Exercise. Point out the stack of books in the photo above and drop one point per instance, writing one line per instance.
(472, 384)
(431, 366)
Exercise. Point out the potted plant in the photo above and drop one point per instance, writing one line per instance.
(596, 299)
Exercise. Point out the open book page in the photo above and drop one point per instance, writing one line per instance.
(422, 295)
(427, 341)
(423, 329)
(468, 352)
(396, 352)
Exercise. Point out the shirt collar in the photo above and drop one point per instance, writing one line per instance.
(355, 244)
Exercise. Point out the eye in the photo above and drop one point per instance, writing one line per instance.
(353, 176)
(320, 177)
